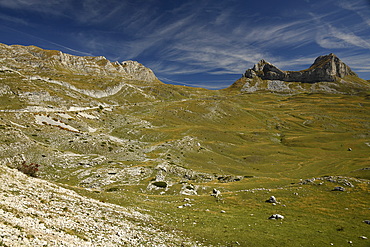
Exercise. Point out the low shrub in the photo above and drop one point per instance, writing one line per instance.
(160, 184)
(29, 169)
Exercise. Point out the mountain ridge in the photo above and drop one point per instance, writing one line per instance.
(56, 65)
(37, 59)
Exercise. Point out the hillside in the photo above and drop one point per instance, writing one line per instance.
(122, 140)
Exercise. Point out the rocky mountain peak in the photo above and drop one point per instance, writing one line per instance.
(325, 68)
(135, 68)
(332, 65)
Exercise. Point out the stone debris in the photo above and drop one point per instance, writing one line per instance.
(344, 181)
(34, 212)
(189, 189)
(276, 217)
(308, 181)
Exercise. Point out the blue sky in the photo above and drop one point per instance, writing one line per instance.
(207, 43)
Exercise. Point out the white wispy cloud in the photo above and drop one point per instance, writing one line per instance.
(358, 61)
(50, 7)
(201, 47)
(358, 7)
(13, 19)
(349, 38)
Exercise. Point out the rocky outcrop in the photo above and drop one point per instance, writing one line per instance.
(136, 70)
(34, 212)
(328, 74)
(328, 68)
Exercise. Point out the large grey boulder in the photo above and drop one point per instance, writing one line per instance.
(272, 199)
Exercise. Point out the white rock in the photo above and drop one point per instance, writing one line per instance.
(276, 217)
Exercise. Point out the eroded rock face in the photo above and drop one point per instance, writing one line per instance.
(137, 70)
(327, 68)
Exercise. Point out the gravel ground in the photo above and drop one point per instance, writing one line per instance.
(34, 212)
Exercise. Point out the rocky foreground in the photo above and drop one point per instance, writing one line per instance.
(34, 212)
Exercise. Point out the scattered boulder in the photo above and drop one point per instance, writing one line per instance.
(272, 200)
(189, 189)
(185, 205)
(276, 217)
(367, 221)
(216, 193)
(339, 188)
(349, 184)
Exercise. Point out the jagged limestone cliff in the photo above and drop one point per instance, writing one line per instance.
(325, 68)
(31, 60)
(34, 59)
(328, 74)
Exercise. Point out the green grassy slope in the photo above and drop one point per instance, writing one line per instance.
(249, 146)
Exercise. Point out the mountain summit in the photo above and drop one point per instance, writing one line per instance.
(325, 68)
(328, 74)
